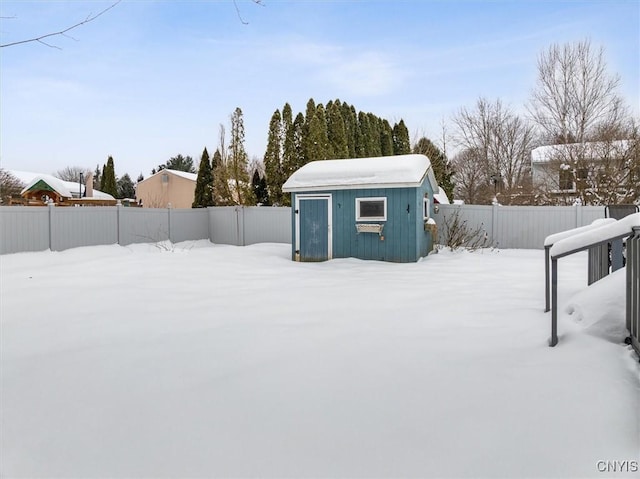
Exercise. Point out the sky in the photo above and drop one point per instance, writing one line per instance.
(149, 80)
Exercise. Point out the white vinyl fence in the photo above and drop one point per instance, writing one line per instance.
(55, 228)
(517, 227)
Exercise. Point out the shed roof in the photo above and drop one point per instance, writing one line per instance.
(399, 171)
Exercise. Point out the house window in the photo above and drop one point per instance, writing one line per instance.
(426, 208)
(371, 209)
(565, 180)
(165, 178)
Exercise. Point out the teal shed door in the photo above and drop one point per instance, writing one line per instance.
(313, 227)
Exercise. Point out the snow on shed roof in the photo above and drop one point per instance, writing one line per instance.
(380, 172)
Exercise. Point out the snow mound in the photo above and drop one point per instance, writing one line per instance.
(600, 308)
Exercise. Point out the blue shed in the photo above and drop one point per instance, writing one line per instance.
(367, 208)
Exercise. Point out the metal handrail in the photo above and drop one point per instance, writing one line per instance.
(621, 232)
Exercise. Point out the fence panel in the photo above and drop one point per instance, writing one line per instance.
(24, 228)
(264, 224)
(72, 227)
(523, 227)
(225, 226)
(143, 225)
(476, 216)
(189, 224)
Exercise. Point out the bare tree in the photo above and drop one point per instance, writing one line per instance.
(9, 185)
(63, 33)
(593, 154)
(498, 143)
(575, 97)
(72, 173)
(471, 184)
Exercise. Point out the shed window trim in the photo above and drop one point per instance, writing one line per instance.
(426, 208)
(372, 204)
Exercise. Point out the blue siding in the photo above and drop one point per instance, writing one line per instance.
(403, 239)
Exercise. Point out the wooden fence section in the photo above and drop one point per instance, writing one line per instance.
(50, 227)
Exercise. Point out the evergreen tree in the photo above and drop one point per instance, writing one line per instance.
(298, 141)
(273, 158)
(126, 188)
(307, 143)
(386, 139)
(336, 131)
(221, 191)
(288, 143)
(373, 139)
(441, 167)
(362, 136)
(238, 160)
(350, 118)
(179, 163)
(317, 140)
(140, 178)
(260, 191)
(109, 184)
(401, 141)
(97, 177)
(203, 195)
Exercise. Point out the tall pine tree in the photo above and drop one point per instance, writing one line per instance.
(386, 139)
(441, 166)
(108, 183)
(288, 143)
(336, 131)
(259, 188)
(401, 141)
(273, 158)
(238, 161)
(203, 195)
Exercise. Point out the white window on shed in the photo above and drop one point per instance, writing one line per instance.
(165, 178)
(371, 209)
(426, 208)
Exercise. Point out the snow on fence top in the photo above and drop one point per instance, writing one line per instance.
(554, 238)
(381, 172)
(593, 236)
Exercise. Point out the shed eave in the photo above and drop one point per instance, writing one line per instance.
(365, 186)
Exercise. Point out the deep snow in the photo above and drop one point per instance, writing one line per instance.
(199, 360)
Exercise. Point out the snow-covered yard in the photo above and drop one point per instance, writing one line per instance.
(212, 361)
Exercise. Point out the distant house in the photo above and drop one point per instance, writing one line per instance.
(605, 172)
(367, 208)
(43, 189)
(167, 187)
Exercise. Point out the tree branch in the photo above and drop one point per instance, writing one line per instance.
(62, 33)
(235, 4)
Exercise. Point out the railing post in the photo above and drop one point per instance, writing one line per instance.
(554, 303)
(547, 280)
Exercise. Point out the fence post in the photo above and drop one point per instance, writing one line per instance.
(169, 208)
(118, 219)
(494, 221)
(51, 206)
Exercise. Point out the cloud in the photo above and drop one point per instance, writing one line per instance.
(351, 71)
